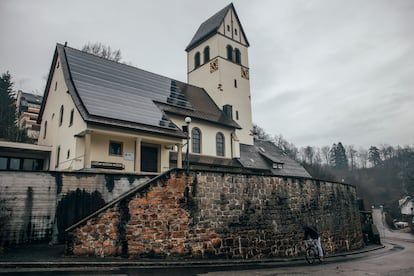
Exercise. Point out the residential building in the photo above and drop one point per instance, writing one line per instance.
(406, 206)
(28, 107)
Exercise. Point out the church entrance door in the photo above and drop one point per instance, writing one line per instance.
(149, 158)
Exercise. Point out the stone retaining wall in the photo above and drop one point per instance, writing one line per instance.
(40, 205)
(222, 215)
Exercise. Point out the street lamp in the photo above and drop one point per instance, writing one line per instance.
(186, 129)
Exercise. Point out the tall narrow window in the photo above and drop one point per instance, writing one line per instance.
(55, 85)
(220, 144)
(57, 157)
(206, 54)
(229, 52)
(235, 83)
(238, 56)
(45, 130)
(71, 117)
(61, 115)
(196, 140)
(197, 60)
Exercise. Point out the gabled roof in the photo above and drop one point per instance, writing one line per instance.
(115, 94)
(263, 154)
(210, 27)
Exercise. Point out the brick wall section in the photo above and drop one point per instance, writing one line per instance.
(159, 222)
(100, 236)
(223, 215)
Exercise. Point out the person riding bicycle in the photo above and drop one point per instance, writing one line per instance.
(313, 233)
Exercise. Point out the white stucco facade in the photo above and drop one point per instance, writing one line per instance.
(56, 130)
(226, 81)
(77, 145)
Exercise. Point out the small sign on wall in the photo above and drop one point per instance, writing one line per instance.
(129, 156)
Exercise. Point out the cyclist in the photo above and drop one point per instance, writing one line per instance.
(313, 233)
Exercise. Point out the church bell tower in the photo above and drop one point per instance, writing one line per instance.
(217, 60)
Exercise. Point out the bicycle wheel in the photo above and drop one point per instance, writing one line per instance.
(311, 255)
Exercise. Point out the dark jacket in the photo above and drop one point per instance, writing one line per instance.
(311, 231)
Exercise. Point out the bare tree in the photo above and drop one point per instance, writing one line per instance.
(101, 50)
(308, 153)
(362, 155)
(386, 152)
(351, 155)
(289, 148)
(325, 150)
(317, 159)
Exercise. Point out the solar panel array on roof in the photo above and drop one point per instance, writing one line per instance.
(118, 91)
(177, 97)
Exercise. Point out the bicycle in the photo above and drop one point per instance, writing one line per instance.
(312, 252)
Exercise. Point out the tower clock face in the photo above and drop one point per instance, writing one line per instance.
(245, 73)
(214, 65)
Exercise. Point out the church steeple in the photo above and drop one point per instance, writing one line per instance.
(217, 60)
(214, 25)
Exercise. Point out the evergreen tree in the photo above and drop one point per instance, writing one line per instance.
(337, 157)
(341, 161)
(8, 127)
(332, 156)
(7, 106)
(374, 156)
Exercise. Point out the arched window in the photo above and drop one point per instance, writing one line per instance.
(197, 60)
(61, 116)
(229, 52)
(238, 56)
(196, 140)
(220, 144)
(206, 54)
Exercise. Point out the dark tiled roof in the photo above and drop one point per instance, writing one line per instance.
(257, 158)
(203, 107)
(263, 154)
(210, 27)
(116, 94)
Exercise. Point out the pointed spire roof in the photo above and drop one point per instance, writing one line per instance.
(211, 26)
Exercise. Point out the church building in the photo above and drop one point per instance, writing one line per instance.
(104, 116)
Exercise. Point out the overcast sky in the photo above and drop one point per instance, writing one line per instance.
(321, 71)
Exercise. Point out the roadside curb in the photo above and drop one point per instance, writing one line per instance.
(84, 262)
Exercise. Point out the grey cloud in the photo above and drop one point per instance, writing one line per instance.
(321, 71)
